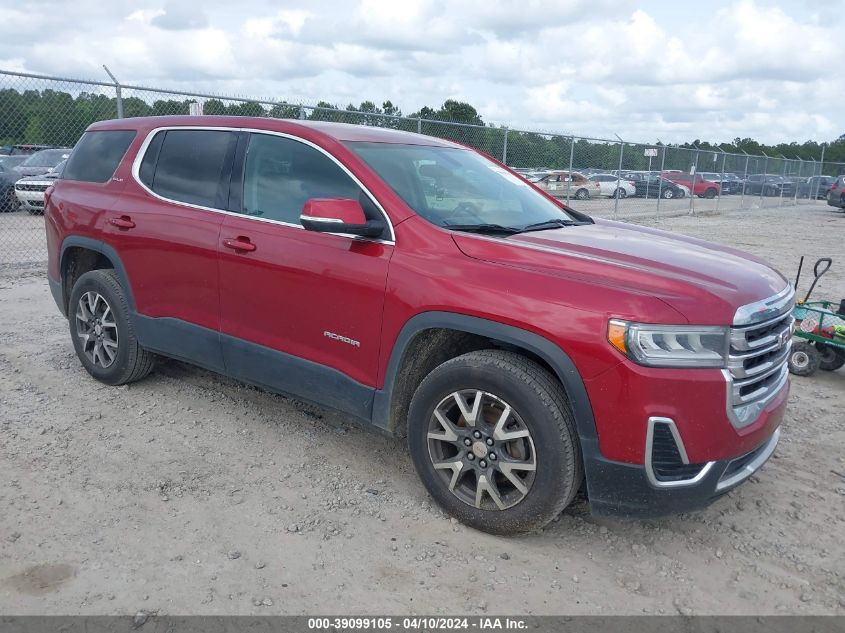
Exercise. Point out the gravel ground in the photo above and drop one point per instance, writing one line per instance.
(190, 493)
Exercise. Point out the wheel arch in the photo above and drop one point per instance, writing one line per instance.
(390, 401)
(80, 255)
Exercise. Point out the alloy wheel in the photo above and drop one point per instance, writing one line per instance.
(97, 329)
(482, 450)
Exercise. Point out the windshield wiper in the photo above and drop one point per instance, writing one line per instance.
(553, 223)
(483, 228)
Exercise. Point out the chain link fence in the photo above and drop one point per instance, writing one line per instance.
(603, 177)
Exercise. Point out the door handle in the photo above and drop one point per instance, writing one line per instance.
(123, 222)
(239, 243)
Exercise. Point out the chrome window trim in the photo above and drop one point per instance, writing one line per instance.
(649, 470)
(139, 157)
(751, 467)
(314, 218)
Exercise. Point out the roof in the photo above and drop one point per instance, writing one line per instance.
(336, 131)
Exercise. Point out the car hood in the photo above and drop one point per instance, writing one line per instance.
(705, 282)
(48, 178)
(31, 171)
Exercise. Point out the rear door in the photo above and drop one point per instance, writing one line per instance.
(301, 311)
(166, 230)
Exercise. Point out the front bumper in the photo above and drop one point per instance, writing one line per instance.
(624, 490)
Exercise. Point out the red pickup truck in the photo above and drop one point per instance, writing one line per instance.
(524, 349)
(695, 183)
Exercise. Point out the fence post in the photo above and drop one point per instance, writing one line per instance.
(117, 95)
(765, 171)
(618, 174)
(744, 179)
(505, 148)
(821, 168)
(722, 183)
(692, 184)
(660, 178)
(419, 125)
(571, 158)
(780, 204)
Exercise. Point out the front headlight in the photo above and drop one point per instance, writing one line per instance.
(670, 345)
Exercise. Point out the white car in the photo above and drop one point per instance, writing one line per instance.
(613, 187)
(30, 189)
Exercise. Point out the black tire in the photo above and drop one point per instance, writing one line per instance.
(131, 362)
(710, 193)
(9, 201)
(541, 406)
(620, 193)
(830, 358)
(667, 194)
(804, 360)
(582, 194)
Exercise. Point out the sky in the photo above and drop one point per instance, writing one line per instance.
(669, 70)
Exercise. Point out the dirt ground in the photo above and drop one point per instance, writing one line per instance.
(190, 493)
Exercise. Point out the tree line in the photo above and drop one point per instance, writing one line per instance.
(58, 118)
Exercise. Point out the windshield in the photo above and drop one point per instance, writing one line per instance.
(453, 187)
(46, 158)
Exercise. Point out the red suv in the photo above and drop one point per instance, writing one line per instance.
(523, 348)
(696, 183)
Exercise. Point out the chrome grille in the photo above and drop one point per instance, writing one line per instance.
(27, 187)
(757, 361)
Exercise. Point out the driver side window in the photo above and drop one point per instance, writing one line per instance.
(280, 174)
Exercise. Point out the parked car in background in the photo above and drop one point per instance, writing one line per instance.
(29, 190)
(769, 185)
(614, 186)
(836, 193)
(5, 150)
(655, 186)
(26, 149)
(694, 183)
(815, 187)
(8, 176)
(42, 162)
(729, 183)
(561, 183)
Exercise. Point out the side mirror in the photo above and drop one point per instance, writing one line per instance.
(338, 215)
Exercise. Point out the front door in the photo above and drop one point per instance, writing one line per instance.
(301, 312)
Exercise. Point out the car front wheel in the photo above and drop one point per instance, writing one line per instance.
(668, 194)
(493, 439)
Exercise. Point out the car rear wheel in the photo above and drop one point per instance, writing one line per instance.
(493, 439)
(102, 332)
(710, 193)
(668, 194)
(582, 194)
(620, 193)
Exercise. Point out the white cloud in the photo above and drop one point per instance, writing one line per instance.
(594, 67)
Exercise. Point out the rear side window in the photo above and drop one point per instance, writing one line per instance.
(97, 155)
(190, 166)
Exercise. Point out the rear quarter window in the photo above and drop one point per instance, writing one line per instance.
(97, 155)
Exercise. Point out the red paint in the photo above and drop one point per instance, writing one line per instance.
(284, 287)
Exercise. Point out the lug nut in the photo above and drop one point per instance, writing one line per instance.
(467, 441)
(489, 441)
(482, 463)
(477, 434)
(470, 456)
(492, 457)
